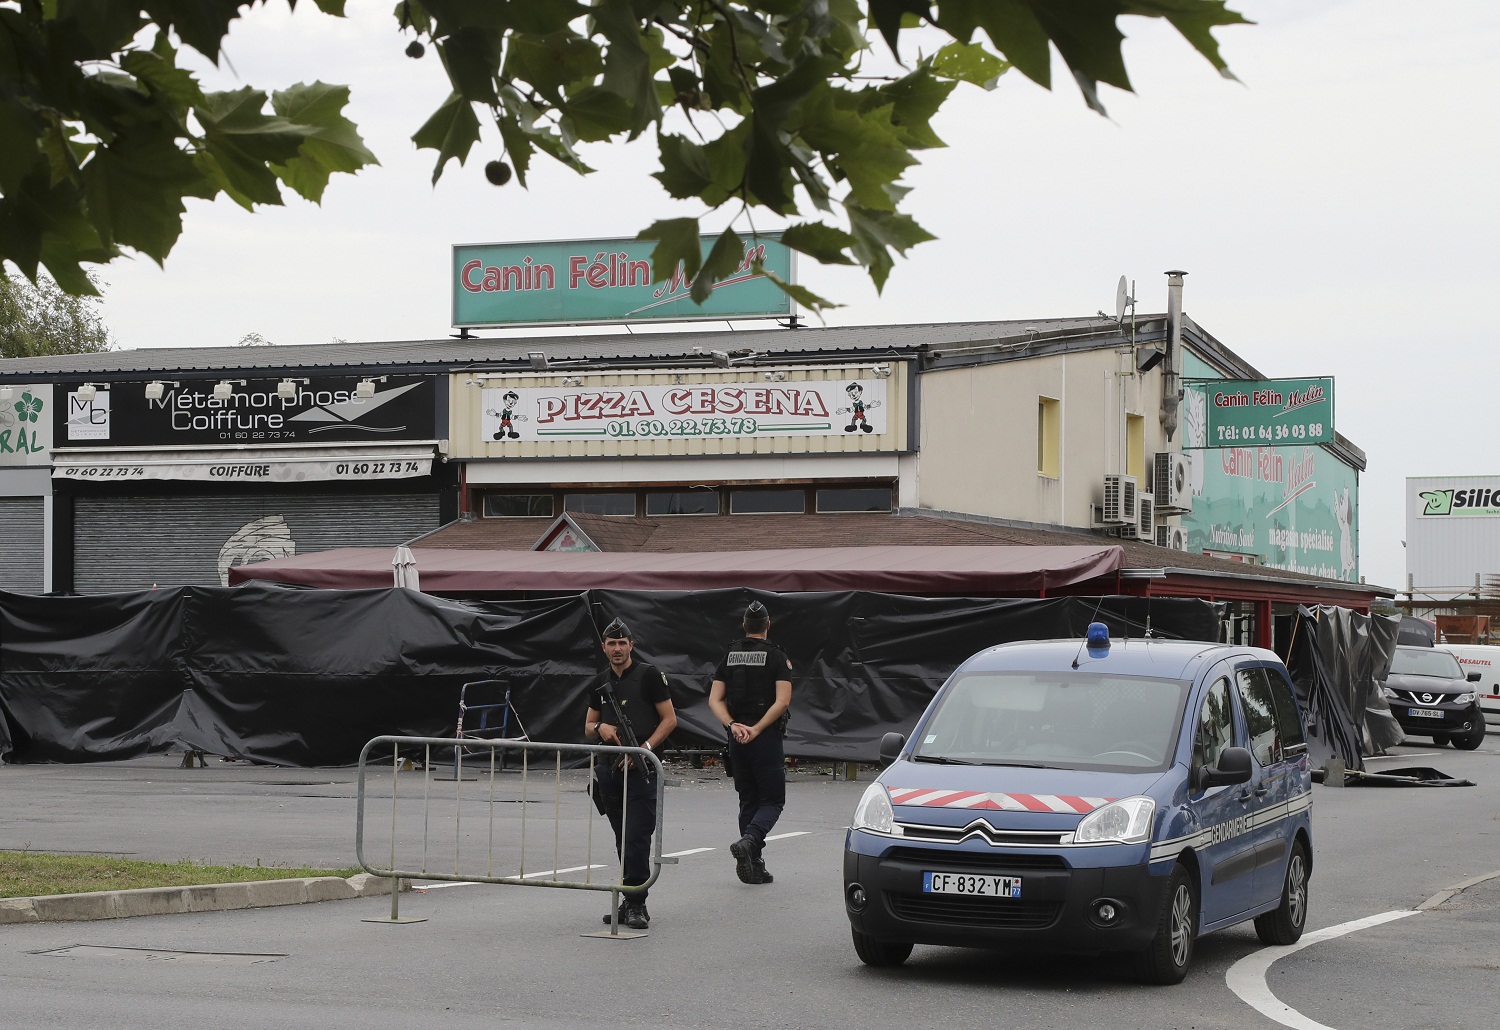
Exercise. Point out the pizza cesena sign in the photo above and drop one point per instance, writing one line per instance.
(694, 411)
(323, 410)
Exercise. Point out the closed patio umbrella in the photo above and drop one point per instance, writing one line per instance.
(404, 567)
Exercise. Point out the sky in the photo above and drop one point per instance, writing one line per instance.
(1335, 209)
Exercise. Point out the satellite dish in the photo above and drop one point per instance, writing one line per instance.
(1122, 298)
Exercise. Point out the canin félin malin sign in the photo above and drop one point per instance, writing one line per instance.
(568, 282)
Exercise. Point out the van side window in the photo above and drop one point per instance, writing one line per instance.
(1215, 726)
(1288, 724)
(1260, 715)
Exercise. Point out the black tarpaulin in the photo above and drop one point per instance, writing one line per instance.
(1337, 660)
(306, 677)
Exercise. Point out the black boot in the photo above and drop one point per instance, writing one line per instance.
(762, 874)
(743, 851)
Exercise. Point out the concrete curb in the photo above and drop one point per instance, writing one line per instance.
(213, 897)
(1448, 895)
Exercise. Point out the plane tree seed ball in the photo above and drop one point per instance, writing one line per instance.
(497, 172)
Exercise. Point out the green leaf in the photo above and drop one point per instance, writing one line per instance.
(801, 294)
(472, 57)
(1012, 28)
(452, 131)
(333, 146)
(724, 259)
(887, 15)
(685, 170)
(822, 243)
(553, 64)
(969, 62)
(627, 64)
(676, 244)
(917, 98)
(202, 24)
(246, 180)
(238, 119)
(135, 188)
(594, 113)
(877, 233)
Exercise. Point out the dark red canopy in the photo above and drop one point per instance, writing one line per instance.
(922, 570)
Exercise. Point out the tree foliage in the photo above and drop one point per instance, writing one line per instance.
(39, 318)
(771, 105)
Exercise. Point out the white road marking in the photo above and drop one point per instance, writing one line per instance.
(1247, 977)
(784, 836)
(689, 851)
(1403, 756)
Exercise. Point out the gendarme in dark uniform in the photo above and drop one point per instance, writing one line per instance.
(645, 700)
(752, 690)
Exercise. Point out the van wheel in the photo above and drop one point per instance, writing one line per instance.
(1167, 957)
(1439, 739)
(1284, 923)
(879, 953)
(1473, 740)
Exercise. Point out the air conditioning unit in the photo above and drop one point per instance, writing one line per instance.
(1174, 537)
(1173, 481)
(1144, 526)
(1120, 499)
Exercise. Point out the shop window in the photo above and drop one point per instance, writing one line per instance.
(855, 499)
(1049, 437)
(767, 502)
(600, 504)
(1135, 450)
(682, 502)
(518, 506)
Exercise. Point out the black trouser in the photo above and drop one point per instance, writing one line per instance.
(760, 780)
(639, 818)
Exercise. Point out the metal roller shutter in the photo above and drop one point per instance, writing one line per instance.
(23, 544)
(132, 543)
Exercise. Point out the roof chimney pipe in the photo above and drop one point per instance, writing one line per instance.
(1171, 374)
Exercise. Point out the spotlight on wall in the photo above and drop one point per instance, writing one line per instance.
(6, 393)
(86, 392)
(721, 358)
(224, 388)
(365, 389)
(538, 360)
(287, 388)
(572, 380)
(157, 388)
(881, 371)
(775, 377)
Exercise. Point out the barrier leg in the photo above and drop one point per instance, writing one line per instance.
(395, 916)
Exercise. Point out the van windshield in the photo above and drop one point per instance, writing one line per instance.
(1069, 720)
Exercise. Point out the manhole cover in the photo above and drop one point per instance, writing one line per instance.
(201, 958)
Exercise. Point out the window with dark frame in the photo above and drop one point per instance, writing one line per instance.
(767, 502)
(682, 502)
(861, 498)
(518, 506)
(600, 503)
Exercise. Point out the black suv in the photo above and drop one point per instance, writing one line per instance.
(1431, 697)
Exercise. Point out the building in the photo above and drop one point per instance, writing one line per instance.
(174, 466)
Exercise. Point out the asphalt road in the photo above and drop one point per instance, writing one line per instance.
(720, 953)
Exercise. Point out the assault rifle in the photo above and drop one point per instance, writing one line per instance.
(622, 726)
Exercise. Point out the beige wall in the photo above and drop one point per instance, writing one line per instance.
(978, 442)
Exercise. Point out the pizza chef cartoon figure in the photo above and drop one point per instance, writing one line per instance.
(507, 415)
(856, 409)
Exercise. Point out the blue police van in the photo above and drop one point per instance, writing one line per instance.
(1091, 795)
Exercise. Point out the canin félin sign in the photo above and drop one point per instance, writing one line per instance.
(574, 281)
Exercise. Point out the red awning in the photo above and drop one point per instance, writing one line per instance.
(958, 570)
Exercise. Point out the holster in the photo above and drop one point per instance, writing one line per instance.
(602, 802)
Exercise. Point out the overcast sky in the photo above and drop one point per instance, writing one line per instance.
(1335, 210)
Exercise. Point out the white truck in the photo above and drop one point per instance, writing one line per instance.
(1485, 660)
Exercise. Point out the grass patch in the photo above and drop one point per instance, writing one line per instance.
(25, 874)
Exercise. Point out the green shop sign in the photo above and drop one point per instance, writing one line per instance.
(1250, 412)
(572, 281)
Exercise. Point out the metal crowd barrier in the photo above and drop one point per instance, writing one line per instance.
(431, 829)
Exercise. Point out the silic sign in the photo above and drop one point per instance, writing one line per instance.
(1461, 503)
(695, 411)
(324, 409)
(569, 282)
(1244, 412)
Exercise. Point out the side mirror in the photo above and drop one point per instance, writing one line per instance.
(1473, 677)
(890, 746)
(1233, 767)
